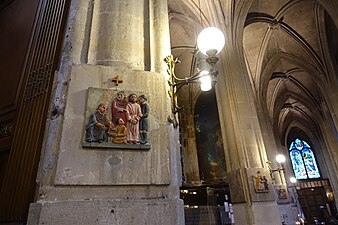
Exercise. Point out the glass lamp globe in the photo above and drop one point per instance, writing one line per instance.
(205, 80)
(293, 180)
(280, 158)
(210, 39)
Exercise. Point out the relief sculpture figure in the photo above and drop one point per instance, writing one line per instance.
(98, 125)
(119, 107)
(119, 132)
(143, 124)
(133, 117)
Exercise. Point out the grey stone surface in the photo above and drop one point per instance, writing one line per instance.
(100, 212)
(80, 185)
(261, 213)
(79, 166)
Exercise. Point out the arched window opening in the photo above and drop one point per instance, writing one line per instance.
(303, 160)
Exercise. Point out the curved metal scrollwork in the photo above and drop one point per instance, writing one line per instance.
(176, 83)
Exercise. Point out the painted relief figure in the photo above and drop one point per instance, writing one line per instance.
(98, 125)
(119, 132)
(119, 107)
(282, 193)
(133, 117)
(260, 183)
(143, 125)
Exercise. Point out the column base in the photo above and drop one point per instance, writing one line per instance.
(261, 213)
(96, 212)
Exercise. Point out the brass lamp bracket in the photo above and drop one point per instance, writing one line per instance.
(171, 63)
(278, 169)
(175, 83)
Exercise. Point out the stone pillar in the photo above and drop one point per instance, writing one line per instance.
(189, 148)
(118, 33)
(159, 34)
(331, 108)
(329, 156)
(245, 151)
(109, 185)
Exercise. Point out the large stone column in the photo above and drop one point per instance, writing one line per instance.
(110, 185)
(118, 33)
(245, 149)
(189, 148)
(329, 156)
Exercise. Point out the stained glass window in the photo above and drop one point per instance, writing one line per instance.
(303, 160)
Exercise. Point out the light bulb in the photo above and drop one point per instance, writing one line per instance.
(280, 158)
(293, 180)
(205, 80)
(210, 38)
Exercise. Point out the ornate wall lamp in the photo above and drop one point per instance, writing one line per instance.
(293, 180)
(210, 42)
(280, 168)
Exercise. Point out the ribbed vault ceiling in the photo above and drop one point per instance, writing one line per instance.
(284, 45)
